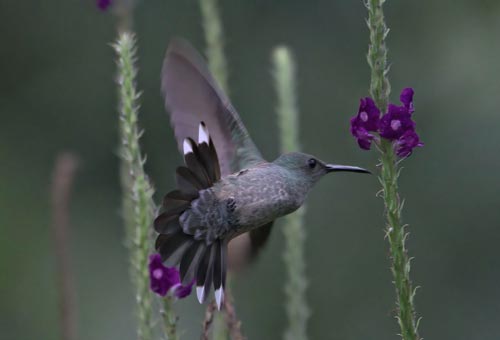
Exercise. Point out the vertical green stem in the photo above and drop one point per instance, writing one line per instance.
(214, 37)
(288, 115)
(169, 320)
(379, 89)
(124, 10)
(377, 54)
(136, 185)
(136, 188)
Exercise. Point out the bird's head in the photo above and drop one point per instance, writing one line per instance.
(310, 168)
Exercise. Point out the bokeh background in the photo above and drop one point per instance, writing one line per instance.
(57, 93)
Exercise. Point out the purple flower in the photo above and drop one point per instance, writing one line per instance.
(366, 120)
(396, 122)
(363, 137)
(368, 115)
(103, 4)
(183, 291)
(164, 279)
(406, 143)
(406, 97)
(396, 125)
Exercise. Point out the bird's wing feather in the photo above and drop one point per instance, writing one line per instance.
(259, 237)
(192, 95)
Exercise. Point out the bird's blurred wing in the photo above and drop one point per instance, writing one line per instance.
(192, 95)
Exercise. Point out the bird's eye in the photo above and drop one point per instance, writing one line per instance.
(312, 163)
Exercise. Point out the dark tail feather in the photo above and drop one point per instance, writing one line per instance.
(197, 261)
(174, 204)
(215, 159)
(194, 162)
(201, 159)
(204, 274)
(208, 265)
(190, 262)
(166, 224)
(177, 197)
(172, 248)
(220, 266)
(187, 180)
(208, 154)
(207, 159)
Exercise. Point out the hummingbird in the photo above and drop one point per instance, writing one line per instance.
(226, 188)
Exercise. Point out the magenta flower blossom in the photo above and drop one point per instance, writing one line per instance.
(406, 143)
(183, 291)
(363, 137)
(395, 125)
(103, 4)
(406, 97)
(396, 122)
(366, 120)
(368, 115)
(164, 279)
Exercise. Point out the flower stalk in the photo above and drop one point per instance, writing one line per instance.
(169, 319)
(61, 188)
(137, 191)
(214, 37)
(288, 115)
(395, 232)
(217, 63)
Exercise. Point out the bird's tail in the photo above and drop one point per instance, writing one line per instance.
(198, 260)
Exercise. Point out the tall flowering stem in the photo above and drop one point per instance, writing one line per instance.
(217, 63)
(288, 115)
(396, 234)
(169, 320)
(136, 188)
(214, 36)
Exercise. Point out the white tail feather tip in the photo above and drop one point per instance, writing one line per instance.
(200, 293)
(187, 146)
(203, 134)
(219, 296)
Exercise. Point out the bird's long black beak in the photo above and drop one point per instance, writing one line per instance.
(336, 167)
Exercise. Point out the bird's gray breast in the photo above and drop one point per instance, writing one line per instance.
(260, 195)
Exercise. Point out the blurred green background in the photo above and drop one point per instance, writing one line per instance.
(57, 93)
